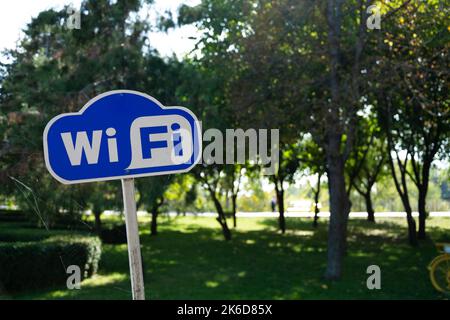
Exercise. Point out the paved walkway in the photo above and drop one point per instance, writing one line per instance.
(311, 214)
(294, 214)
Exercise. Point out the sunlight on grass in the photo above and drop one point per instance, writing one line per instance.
(103, 280)
(361, 254)
(379, 232)
(300, 233)
(95, 281)
(242, 274)
(211, 284)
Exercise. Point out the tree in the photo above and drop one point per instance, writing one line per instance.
(275, 50)
(203, 90)
(257, 79)
(212, 177)
(285, 45)
(151, 196)
(182, 194)
(371, 169)
(312, 162)
(284, 174)
(340, 116)
(414, 104)
(347, 58)
(367, 160)
(56, 70)
(103, 196)
(234, 174)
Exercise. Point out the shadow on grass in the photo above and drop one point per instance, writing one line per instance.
(264, 264)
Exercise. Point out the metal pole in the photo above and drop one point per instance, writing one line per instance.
(134, 248)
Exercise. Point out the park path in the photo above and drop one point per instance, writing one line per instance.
(293, 214)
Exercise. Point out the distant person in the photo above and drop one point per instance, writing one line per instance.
(273, 203)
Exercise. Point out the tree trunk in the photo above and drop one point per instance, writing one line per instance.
(316, 202)
(339, 202)
(316, 215)
(339, 208)
(402, 187)
(282, 220)
(280, 202)
(98, 221)
(423, 190)
(233, 208)
(154, 223)
(412, 232)
(421, 234)
(369, 207)
(225, 230)
(412, 235)
(221, 218)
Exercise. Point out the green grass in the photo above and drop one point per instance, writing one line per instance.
(190, 260)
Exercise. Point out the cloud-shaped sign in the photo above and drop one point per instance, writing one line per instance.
(121, 134)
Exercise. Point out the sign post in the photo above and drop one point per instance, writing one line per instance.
(122, 134)
(134, 247)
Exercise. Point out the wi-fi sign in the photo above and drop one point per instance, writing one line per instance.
(121, 134)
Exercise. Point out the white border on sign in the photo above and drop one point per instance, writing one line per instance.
(87, 105)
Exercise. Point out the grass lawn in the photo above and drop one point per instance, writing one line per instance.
(190, 260)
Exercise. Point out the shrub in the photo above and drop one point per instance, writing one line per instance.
(12, 216)
(12, 233)
(62, 221)
(11, 236)
(35, 265)
(114, 235)
(23, 232)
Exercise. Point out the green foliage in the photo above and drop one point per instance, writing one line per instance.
(182, 194)
(152, 189)
(56, 70)
(36, 265)
(103, 196)
(23, 235)
(12, 216)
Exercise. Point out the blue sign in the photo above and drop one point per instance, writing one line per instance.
(121, 134)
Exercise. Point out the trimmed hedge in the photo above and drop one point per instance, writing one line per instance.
(23, 235)
(115, 235)
(36, 265)
(12, 216)
(61, 221)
